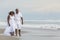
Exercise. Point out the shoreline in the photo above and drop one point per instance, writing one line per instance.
(33, 34)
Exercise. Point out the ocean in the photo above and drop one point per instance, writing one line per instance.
(36, 20)
(47, 24)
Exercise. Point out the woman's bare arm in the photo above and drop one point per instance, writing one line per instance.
(8, 18)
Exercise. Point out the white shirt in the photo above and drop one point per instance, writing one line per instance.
(18, 16)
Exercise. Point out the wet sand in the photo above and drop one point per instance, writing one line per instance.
(3, 37)
(41, 34)
(34, 34)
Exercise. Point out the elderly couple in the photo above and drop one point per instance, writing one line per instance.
(14, 20)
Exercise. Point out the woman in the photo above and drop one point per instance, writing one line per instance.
(11, 24)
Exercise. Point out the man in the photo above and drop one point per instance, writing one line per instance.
(19, 21)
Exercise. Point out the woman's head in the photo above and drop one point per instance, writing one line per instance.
(11, 13)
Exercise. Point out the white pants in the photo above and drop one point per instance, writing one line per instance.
(18, 25)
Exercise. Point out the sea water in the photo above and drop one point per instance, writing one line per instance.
(37, 24)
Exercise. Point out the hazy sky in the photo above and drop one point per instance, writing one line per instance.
(44, 7)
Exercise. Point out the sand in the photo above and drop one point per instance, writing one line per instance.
(3, 37)
(41, 34)
(34, 34)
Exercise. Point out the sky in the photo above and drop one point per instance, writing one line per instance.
(32, 9)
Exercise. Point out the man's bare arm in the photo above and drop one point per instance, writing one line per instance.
(22, 20)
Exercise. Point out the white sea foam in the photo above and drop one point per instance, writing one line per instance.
(3, 23)
(45, 26)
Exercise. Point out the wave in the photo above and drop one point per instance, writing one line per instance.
(42, 26)
(35, 22)
(28, 25)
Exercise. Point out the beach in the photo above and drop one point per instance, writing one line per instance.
(41, 19)
(35, 30)
(41, 34)
(4, 37)
(33, 34)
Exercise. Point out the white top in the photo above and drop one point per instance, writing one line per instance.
(12, 19)
(18, 16)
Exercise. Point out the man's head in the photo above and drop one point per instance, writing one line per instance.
(17, 11)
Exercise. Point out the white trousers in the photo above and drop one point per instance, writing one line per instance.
(18, 25)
